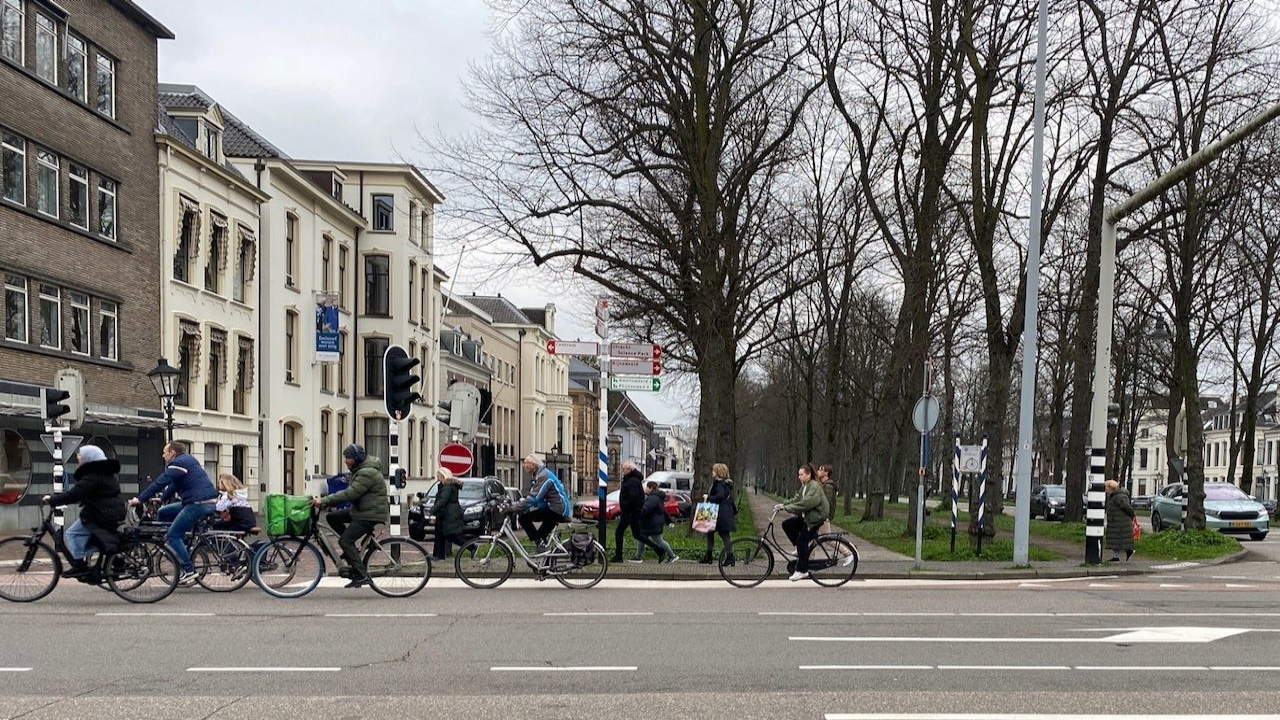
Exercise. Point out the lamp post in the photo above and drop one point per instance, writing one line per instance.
(164, 378)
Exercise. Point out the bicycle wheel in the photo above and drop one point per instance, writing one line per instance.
(746, 562)
(397, 567)
(580, 577)
(484, 563)
(833, 561)
(287, 567)
(142, 571)
(221, 562)
(27, 572)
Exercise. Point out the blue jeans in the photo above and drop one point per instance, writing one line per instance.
(182, 518)
(76, 537)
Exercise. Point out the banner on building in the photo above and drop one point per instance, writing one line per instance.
(327, 328)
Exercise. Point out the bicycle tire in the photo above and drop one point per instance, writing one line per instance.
(287, 567)
(27, 572)
(221, 562)
(141, 571)
(484, 563)
(746, 562)
(397, 567)
(580, 577)
(827, 561)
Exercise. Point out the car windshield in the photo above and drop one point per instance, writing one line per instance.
(468, 492)
(612, 497)
(1056, 492)
(1224, 492)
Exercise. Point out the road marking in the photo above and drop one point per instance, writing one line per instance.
(1234, 585)
(1235, 668)
(1228, 577)
(1034, 716)
(866, 667)
(1175, 566)
(1003, 667)
(379, 615)
(15, 669)
(1023, 615)
(1172, 585)
(1135, 635)
(593, 614)
(1082, 668)
(551, 668)
(155, 614)
(264, 669)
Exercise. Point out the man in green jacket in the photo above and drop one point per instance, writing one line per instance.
(367, 493)
(809, 510)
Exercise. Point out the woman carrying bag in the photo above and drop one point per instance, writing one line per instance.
(448, 514)
(721, 495)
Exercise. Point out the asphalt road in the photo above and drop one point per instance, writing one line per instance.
(1187, 640)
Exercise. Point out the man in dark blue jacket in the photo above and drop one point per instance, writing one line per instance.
(184, 476)
(630, 505)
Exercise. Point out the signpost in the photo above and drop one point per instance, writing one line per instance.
(456, 458)
(635, 383)
(628, 366)
(572, 347)
(637, 351)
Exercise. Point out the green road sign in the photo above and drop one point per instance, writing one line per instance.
(635, 383)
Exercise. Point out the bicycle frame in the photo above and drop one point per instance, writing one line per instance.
(507, 535)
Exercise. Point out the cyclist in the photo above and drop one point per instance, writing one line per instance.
(547, 503)
(809, 510)
(367, 493)
(185, 476)
(97, 489)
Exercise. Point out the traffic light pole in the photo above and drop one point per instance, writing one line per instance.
(602, 459)
(58, 513)
(393, 493)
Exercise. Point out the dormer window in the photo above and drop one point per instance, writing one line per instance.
(337, 188)
(212, 146)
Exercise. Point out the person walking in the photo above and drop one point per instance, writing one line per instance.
(721, 494)
(809, 510)
(367, 494)
(97, 489)
(1120, 515)
(630, 504)
(448, 514)
(185, 477)
(653, 520)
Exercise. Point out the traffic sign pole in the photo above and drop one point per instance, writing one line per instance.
(602, 452)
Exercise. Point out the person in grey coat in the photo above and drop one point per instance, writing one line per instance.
(1120, 515)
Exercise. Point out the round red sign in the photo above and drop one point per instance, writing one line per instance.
(456, 458)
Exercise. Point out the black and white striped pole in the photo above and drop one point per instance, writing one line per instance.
(399, 396)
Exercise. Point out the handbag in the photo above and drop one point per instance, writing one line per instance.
(705, 516)
(1137, 529)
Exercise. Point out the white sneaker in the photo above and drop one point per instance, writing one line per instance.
(797, 575)
(188, 578)
(847, 561)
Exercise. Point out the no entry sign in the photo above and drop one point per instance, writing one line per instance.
(456, 458)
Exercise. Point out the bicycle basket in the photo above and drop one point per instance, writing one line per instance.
(582, 549)
(288, 515)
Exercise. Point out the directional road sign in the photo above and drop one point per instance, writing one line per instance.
(633, 383)
(636, 351)
(627, 366)
(456, 458)
(572, 347)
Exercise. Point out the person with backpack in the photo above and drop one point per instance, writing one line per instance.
(547, 503)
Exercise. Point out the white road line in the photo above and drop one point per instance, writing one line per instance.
(550, 668)
(1272, 668)
(1022, 615)
(15, 669)
(1172, 585)
(1034, 716)
(1228, 577)
(1081, 668)
(866, 667)
(593, 614)
(1003, 667)
(1128, 636)
(155, 614)
(264, 669)
(1235, 585)
(1140, 668)
(379, 615)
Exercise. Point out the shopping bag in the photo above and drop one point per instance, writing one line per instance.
(1137, 529)
(288, 515)
(704, 517)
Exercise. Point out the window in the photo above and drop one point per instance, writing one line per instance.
(326, 248)
(78, 196)
(413, 274)
(15, 308)
(108, 320)
(337, 188)
(106, 86)
(107, 209)
(239, 453)
(244, 264)
(384, 213)
(11, 30)
(188, 237)
(290, 247)
(50, 317)
(342, 363)
(216, 377)
(13, 167)
(377, 285)
(244, 375)
(325, 417)
(289, 460)
(79, 323)
(46, 182)
(290, 346)
(427, 227)
(212, 453)
(374, 348)
(217, 255)
(212, 142)
(342, 276)
(189, 127)
(77, 63)
(376, 436)
(46, 49)
(188, 360)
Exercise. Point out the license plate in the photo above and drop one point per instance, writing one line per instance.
(1240, 524)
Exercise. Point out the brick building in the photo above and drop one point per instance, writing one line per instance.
(79, 231)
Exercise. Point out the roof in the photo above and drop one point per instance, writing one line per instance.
(140, 16)
(500, 309)
(165, 125)
(238, 139)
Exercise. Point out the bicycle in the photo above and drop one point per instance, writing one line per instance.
(220, 558)
(291, 566)
(487, 561)
(748, 561)
(141, 570)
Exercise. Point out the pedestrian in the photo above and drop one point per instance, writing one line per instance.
(1120, 516)
(809, 510)
(97, 489)
(185, 477)
(630, 503)
(234, 512)
(447, 513)
(721, 494)
(653, 520)
(370, 505)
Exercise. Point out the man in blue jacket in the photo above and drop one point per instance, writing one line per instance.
(184, 476)
(547, 504)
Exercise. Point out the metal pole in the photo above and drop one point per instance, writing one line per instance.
(168, 420)
(955, 491)
(58, 512)
(602, 454)
(982, 494)
(393, 492)
(1030, 330)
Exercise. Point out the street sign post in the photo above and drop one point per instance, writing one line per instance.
(637, 351)
(456, 458)
(629, 366)
(635, 383)
(572, 347)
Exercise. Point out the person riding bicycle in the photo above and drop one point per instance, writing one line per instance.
(546, 503)
(185, 476)
(367, 493)
(97, 489)
(809, 510)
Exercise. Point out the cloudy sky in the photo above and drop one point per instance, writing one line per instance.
(331, 79)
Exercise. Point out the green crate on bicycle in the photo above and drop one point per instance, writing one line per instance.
(288, 515)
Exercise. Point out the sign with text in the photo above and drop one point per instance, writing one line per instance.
(572, 347)
(635, 383)
(636, 351)
(628, 366)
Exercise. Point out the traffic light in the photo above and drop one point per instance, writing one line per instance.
(70, 381)
(397, 390)
(55, 404)
(401, 478)
(464, 415)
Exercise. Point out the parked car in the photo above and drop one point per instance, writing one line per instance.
(669, 480)
(1270, 505)
(1049, 501)
(684, 503)
(590, 509)
(1140, 502)
(471, 496)
(1226, 509)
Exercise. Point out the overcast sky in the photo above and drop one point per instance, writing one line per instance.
(339, 80)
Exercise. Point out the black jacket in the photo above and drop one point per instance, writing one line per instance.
(97, 489)
(653, 518)
(631, 494)
(722, 494)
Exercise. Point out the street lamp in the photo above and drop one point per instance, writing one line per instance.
(164, 378)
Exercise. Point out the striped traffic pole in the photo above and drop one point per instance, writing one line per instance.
(393, 492)
(982, 493)
(955, 490)
(58, 476)
(1095, 517)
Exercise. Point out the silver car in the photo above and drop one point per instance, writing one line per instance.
(1226, 509)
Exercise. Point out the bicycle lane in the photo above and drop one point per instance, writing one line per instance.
(762, 508)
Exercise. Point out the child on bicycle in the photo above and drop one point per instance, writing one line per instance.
(234, 512)
(97, 489)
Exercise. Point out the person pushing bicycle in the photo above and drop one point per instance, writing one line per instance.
(367, 493)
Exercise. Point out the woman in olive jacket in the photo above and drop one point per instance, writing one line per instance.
(721, 493)
(809, 508)
(448, 514)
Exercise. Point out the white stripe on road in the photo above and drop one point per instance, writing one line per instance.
(1034, 716)
(1004, 667)
(379, 615)
(264, 669)
(866, 667)
(593, 614)
(1082, 668)
(1026, 615)
(155, 614)
(551, 668)
(1129, 636)
(15, 669)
